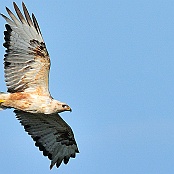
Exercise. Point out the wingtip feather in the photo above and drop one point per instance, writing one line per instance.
(27, 16)
(18, 12)
(14, 3)
(51, 166)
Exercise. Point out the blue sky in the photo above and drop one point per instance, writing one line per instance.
(113, 63)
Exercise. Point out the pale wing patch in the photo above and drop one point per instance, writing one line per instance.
(26, 61)
(52, 135)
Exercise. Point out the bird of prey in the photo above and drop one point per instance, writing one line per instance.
(26, 69)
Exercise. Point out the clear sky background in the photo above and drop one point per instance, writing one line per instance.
(113, 63)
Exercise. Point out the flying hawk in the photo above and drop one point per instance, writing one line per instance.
(26, 67)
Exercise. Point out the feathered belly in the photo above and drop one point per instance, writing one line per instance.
(25, 102)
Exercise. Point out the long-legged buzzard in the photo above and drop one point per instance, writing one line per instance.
(26, 67)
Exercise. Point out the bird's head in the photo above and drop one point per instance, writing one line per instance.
(61, 107)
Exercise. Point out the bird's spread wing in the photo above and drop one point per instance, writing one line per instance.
(52, 135)
(26, 61)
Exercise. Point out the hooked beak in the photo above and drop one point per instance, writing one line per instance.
(66, 108)
(69, 109)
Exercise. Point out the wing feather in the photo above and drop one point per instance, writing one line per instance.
(18, 12)
(27, 16)
(26, 55)
(36, 24)
(13, 17)
(52, 135)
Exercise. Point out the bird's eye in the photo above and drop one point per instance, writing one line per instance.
(64, 106)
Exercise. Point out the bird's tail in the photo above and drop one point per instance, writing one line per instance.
(2, 100)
